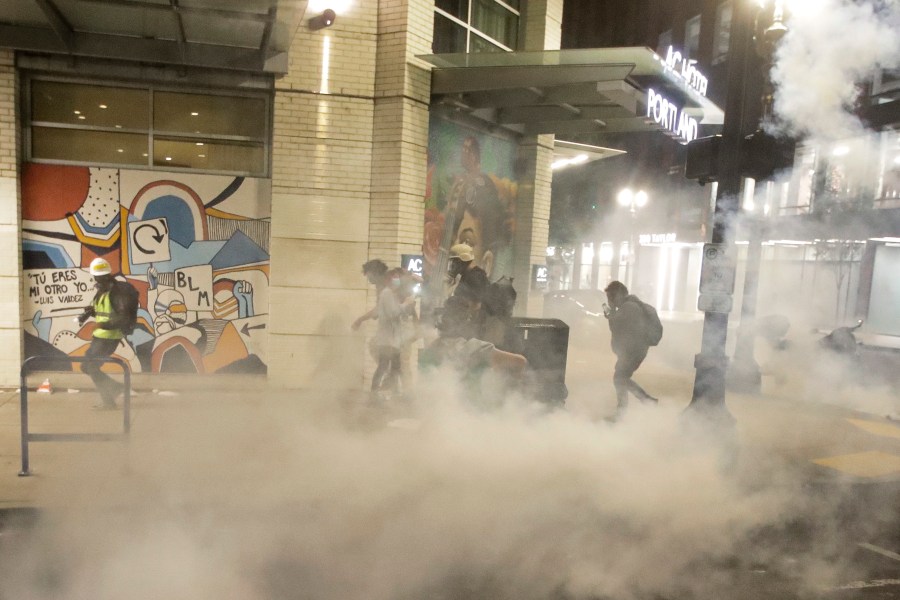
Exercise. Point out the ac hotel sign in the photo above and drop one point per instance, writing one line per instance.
(665, 112)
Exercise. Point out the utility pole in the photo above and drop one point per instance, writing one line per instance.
(744, 374)
(708, 399)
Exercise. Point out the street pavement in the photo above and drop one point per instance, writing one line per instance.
(822, 444)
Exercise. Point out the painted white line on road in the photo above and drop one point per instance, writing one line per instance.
(879, 550)
(858, 585)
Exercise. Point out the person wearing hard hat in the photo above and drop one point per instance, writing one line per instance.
(108, 310)
(469, 280)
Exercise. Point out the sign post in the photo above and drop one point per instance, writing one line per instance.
(717, 271)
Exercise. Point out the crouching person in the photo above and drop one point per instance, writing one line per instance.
(458, 347)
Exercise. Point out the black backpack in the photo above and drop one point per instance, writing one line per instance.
(131, 300)
(500, 298)
(653, 329)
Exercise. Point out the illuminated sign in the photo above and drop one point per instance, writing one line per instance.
(685, 69)
(670, 116)
(414, 263)
(656, 238)
(540, 276)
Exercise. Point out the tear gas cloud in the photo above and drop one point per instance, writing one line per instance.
(830, 47)
(293, 498)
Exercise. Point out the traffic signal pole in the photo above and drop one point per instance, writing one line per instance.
(711, 364)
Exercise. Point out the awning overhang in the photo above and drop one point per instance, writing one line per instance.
(589, 93)
(242, 35)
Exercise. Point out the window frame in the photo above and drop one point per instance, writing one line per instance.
(264, 141)
(688, 51)
(719, 54)
(473, 31)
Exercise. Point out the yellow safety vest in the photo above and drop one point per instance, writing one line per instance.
(102, 312)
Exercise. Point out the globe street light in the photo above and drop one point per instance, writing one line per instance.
(633, 201)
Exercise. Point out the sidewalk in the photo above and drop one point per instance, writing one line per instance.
(818, 441)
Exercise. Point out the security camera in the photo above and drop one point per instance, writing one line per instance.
(326, 19)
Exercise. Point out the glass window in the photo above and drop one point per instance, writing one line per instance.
(209, 115)
(457, 8)
(665, 40)
(89, 146)
(108, 125)
(89, 105)
(479, 44)
(209, 156)
(449, 36)
(692, 37)
(457, 23)
(799, 199)
(722, 34)
(888, 194)
(496, 22)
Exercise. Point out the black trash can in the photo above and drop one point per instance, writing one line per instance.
(545, 343)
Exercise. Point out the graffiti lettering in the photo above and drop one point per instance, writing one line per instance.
(196, 286)
(67, 290)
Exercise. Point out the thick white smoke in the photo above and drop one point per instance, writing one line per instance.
(831, 47)
(299, 499)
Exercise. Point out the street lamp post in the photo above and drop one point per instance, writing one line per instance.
(633, 201)
(708, 398)
(744, 374)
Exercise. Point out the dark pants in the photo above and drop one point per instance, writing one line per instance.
(627, 363)
(106, 385)
(387, 373)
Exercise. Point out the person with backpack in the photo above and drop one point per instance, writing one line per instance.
(114, 309)
(635, 327)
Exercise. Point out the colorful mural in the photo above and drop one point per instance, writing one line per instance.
(470, 196)
(196, 247)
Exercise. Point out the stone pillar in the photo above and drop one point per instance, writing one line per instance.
(541, 29)
(400, 140)
(10, 230)
(349, 162)
(321, 191)
(532, 219)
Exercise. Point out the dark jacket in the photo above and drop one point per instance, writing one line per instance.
(626, 326)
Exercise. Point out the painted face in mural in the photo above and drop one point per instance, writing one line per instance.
(471, 232)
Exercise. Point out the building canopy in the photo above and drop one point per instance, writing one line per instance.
(587, 93)
(250, 35)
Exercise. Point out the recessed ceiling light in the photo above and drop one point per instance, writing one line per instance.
(119, 150)
(144, 154)
(168, 158)
(82, 117)
(102, 105)
(118, 127)
(199, 143)
(201, 156)
(194, 114)
(77, 112)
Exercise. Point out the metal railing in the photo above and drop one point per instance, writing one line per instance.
(27, 437)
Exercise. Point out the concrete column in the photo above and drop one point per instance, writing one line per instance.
(400, 137)
(532, 220)
(321, 192)
(10, 219)
(541, 29)
(349, 163)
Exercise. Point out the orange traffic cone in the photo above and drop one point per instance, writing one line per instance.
(45, 387)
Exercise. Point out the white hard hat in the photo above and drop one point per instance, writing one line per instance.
(463, 252)
(100, 267)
